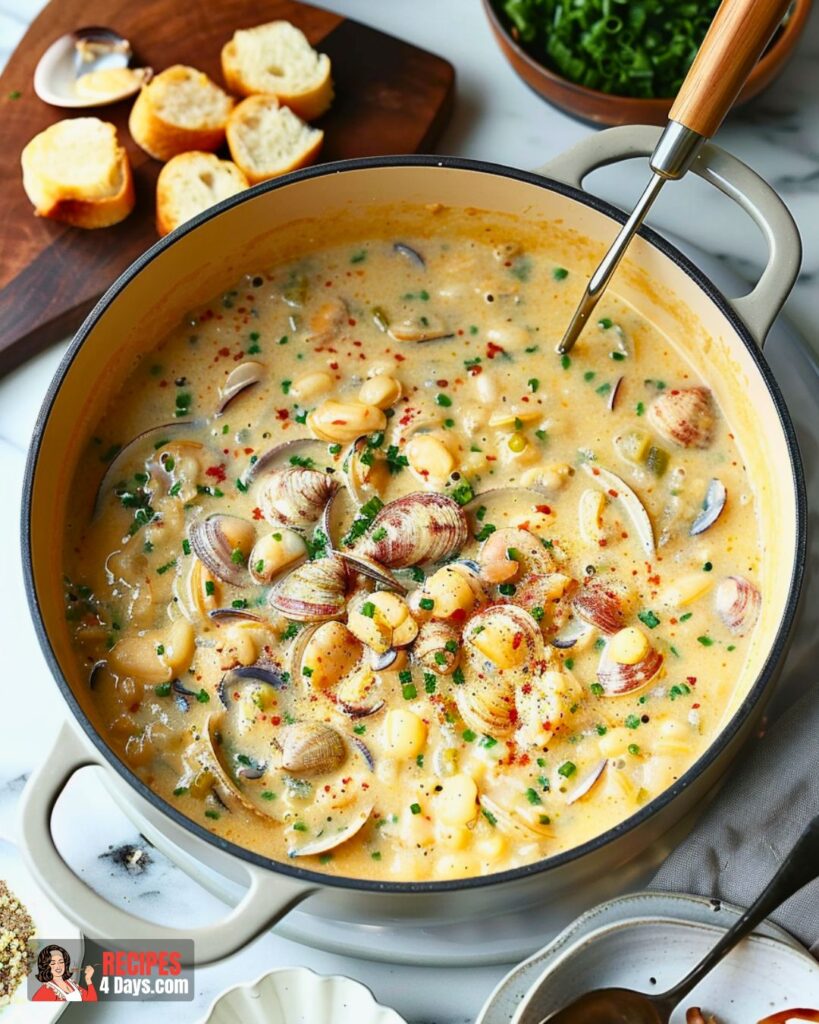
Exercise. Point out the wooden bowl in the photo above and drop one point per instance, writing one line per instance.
(603, 108)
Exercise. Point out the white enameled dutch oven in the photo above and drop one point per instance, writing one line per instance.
(198, 260)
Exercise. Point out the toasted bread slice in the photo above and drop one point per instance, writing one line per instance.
(276, 59)
(179, 110)
(193, 182)
(77, 172)
(267, 140)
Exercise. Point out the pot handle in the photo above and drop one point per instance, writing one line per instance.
(759, 308)
(268, 898)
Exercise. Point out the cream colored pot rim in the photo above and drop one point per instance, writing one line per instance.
(425, 163)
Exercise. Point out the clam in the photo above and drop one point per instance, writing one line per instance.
(236, 679)
(373, 570)
(684, 416)
(410, 254)
(334, 834)
(422, 328)
(587, 783)
(311, 748)
(365, 752)
(234, 613)
(418, 527)
(203, 589)
(234, 790)
(498, 505)
(88, 68)
(240, 378)
(618, 490)
(508, 820)
(295, 496)
(437, 647)
(275, 552)
(576, 631)
(545, 592)
(358, 695)
(365, 470)
(325, 324)
(738, 602)
(304, 452)
(314, 591)
(617, 679)
(603, 603)
(510, 553)
(222, 543)
(501, 645)
(149, 441)
(615, 390)
(712, 506)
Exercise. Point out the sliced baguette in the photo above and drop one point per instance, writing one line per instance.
(191, 183)
(276, 59)
(76, 171)
(180, 109)
(267, 140)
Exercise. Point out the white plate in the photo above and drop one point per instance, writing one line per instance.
(298, 996)
(634, 939)
(49, 923)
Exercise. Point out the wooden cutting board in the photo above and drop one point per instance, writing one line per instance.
(390, 98)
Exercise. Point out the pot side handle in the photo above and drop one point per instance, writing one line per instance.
(266, 901)
(759, 308)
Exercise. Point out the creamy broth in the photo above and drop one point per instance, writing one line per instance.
(521, 642)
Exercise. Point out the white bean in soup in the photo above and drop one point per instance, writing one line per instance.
(386, 585)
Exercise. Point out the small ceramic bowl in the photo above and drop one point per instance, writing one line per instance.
(602, 108)
(294, 995)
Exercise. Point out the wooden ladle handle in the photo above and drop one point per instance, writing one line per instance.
(737, 36)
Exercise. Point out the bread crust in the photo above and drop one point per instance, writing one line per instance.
(162, 139)
(166, 186)
(303, 158)
(307, 103)
(81, 212)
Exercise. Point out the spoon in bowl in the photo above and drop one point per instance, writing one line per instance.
(625, 1006)
(737, 36)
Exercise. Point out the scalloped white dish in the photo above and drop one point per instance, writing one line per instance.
(49, 924)
(295, 995)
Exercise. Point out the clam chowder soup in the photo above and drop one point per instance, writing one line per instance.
(376, 580)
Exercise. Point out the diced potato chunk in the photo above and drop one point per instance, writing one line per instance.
(405, 733)
(628, 646)
(687, 589)
(330, 654)
(456, 803)
(500, 642)
(451, 592)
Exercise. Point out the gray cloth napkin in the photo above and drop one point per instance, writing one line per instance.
(770, 796)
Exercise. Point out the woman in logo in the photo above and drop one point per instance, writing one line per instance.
(54, 970)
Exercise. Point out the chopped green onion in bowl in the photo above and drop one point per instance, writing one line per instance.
(637, 48)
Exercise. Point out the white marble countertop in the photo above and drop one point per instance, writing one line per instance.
(496, 118)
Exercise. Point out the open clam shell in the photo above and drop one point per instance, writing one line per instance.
(88, 68)
(508, 821)
(418, 527)
(232, 789)
(587, 783)
(602, 603)
(240, 378)
(618, 680)
(618, 490)
(437, 647)
(712, 507)
(222, 543)
(738, 603)
(306, 452)
(501, 645)
(335, 833)
(149, 441)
